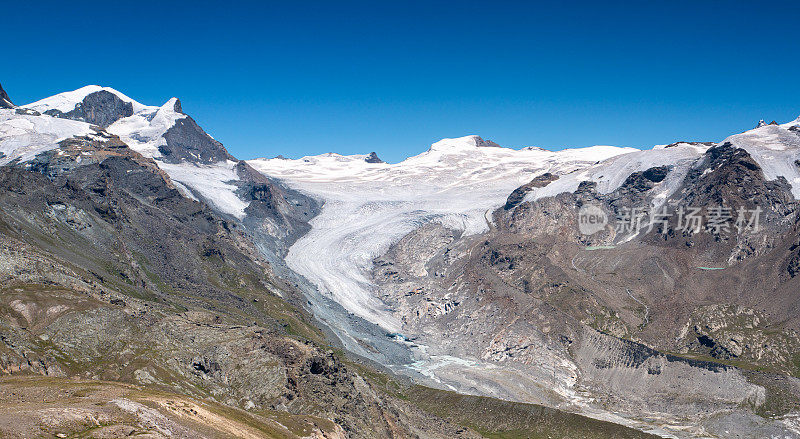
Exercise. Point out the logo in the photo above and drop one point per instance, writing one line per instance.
(591, 219)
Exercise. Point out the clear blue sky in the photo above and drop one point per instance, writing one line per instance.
(298, 78)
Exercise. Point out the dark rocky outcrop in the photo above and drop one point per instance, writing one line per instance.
(5, 101)
(519, 193)
(276, 215)
(373, 158)
(481, 143)
(100, 108)
(586, 187)
(187, 141)
(729, 176)
(634, 190)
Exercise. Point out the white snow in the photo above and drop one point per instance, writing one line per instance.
(370, 206)
(794, 123)
(65, 102)
(774, 147)
(23, 137)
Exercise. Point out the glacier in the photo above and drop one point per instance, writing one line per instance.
(369, 206)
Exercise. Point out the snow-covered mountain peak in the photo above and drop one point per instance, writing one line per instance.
(144, 131)
(462, 143)
(67, 101)
(170, 108)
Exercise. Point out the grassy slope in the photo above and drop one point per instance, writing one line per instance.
(498, 419)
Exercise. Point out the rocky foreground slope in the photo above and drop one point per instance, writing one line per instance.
(143, 293)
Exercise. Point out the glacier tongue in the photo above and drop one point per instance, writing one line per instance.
(369, 206)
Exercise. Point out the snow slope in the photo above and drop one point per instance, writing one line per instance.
(775, 148)
(144, 133)
(211, 182)
(370, 206)
(24, 136)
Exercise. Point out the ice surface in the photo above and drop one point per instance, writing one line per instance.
(456, 182)
(610, 174)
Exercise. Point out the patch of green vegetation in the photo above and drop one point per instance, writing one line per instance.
(497, 419)
(780, 396)
(607, 321)
(154, 278)
(250, 286)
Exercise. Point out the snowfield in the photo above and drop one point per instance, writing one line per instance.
(369, 206)
(211, 182)
(611, 174)
(23, 137)
(775, 148)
